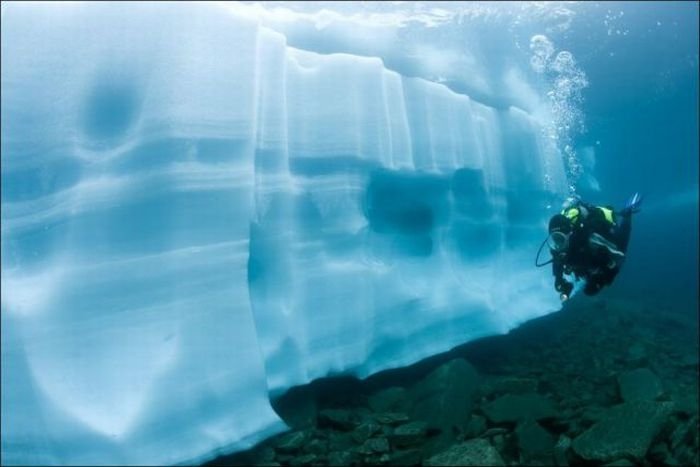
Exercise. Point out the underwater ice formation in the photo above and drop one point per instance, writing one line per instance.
(196, 216)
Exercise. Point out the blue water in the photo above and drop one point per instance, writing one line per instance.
(641, 112)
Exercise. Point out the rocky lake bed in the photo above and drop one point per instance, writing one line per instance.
(602, 382)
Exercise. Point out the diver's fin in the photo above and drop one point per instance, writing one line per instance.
(632, 204)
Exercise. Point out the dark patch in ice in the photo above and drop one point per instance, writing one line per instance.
(112, 106)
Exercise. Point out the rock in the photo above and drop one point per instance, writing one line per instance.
(316, 446)
(491, 432)
(339, 419)
(513, 408)
(689, 361)
(372, 445)
(284, 458)
(365, 431)
(363, 414)
(511, 385)
(394, 399)
(339, 458)
(561, 459)
(685, 434)
(340, 442)
(445, 398)
(688, 455)
(626, 430)
(592, 414)
(534, 442)
(686, 404)
(472, 452)
(266, 455)
(659, 455)
(620, 463)
(475, 427)
(637, 353)
(407, 457)
(639, 384)
(298, 407)
(291, 442)
(306, 459)
(499, 442)
(409, 434)
(391, 418)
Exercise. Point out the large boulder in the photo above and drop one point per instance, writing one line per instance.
(445, 398)
(534, 442)
(374, 445)
(298, 407)
(406, 457)
(341, 458)
(639, 384)
(473, 452)
(408, 434)
(365, 431)
(393, 399)
(510, 385)
(514, 408)
(626, 431)
(291, 442)
(338, 419)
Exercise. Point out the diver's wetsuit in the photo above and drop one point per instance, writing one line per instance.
(594, 263)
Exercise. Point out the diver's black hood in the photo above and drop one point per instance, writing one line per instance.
(560, 222)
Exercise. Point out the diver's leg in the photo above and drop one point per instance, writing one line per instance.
(592, 286)
(625, 221)
(623, 231)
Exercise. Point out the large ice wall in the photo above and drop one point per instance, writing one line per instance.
(196, 216)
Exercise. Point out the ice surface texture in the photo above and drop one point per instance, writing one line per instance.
(196, 216)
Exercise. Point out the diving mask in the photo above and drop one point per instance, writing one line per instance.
(558, 241)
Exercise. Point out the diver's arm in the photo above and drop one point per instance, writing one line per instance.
(561, 285)
(557, 266)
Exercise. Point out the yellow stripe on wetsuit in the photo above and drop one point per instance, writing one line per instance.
(573, 213)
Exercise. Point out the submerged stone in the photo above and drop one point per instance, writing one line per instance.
(340, 442)
(337, 418)
(534, 442)
(637, 353)
(626, 431)
(445, 398)
(511, 385)
(365, 431)
(406, 457)
(472, 452)
(513, 408)
(394, 399)
(639, 384)
(340, 458)
(391, 418)
(475, 427)
(372, 445)
(561, 458)
(298, 407)
(306, 459)
(316, 446)
(408, 434)
(291, 442)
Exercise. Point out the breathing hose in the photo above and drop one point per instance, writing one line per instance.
(537, 258)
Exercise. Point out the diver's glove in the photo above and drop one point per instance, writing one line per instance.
(632, 205)
(564, 288)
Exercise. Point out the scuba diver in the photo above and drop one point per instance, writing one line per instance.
(590, 242)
